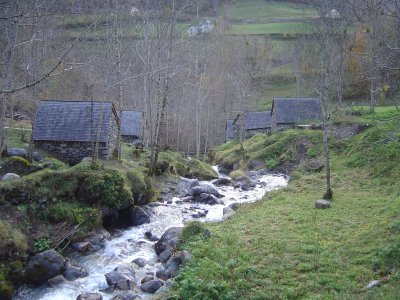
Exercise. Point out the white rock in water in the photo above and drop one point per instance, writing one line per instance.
(10, 176)
(373, 284)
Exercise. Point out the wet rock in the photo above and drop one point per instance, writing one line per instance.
(147, 278)
(151, 286)
(163, 274)
(228, 212)
(222, 181)
(59, 279)
(169, 240)
(138, 216)
(73, 272)
(204, 188)
(164, 256)
(151, 237)
(207, 199)
(224, 169)
(126, 296)
(17, 152)
(234, 206)
(322, 204)
(248, 185)
(44, 266)
(10, 176)
(122, 278)
(186, 199)
(90, 296)
(82, 246)
(373, 284)
(140, 262)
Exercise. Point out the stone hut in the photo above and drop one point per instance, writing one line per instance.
(70, 129)
(132, 128)
(229, 131)
(253, 122)
(287, 112)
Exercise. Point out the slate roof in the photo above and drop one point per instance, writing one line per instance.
(131, 123)
(257, 120)
(229, 130)
(71, 121)
(294, 110)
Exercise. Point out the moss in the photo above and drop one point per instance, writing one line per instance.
(237, 175)
(6, 290)
(12, 240)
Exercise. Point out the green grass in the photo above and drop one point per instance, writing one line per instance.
(289, 29)
(381, 112)
(259, 9)
(282, 248)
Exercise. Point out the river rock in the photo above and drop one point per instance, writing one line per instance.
(248, 185)
(228, 212)
(322, 204)
(73, 272)
(234, 206)
(169, 240)
(151, 237)
(164, 256)
(140, 262)
(146, 278)
(163, 274)
(207, 199)
(90, 296)
(82, 246)
(151, 286)
(126, 296)
(138, 216)
(222, 181)
(122, 278)
(44, 266)
(17, 152)
(59, 279)
(204, 188)
(10, 176)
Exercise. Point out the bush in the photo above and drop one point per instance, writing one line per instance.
(12, 240)
(193, 230)
(237, 175)
(272, 163)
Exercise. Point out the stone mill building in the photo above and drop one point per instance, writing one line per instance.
(70, 130)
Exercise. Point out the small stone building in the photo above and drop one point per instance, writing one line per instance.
(70, 129)
(229, 131)
(253, 122)
(132, 128)
(287, 112)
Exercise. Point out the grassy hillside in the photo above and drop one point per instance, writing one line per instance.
(282, 248)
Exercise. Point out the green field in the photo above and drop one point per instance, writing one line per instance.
(288, 28)
(263, 10)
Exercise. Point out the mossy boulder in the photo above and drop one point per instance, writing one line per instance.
(44, 266)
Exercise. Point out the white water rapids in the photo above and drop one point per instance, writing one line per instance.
(128, 244)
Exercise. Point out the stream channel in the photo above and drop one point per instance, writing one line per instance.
(126, 245)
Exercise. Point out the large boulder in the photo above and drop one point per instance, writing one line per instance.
(228, 212)
(138, 216)
(10, 176)
(44, 266)
(17, 152)
(204, 189)
(122, 278)
(169, 240)
(151, 286)
(222, 181)
(140, 262)
(207, 199)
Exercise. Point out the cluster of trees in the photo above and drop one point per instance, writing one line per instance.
(134, 53)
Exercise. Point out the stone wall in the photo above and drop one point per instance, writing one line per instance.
(112, 144)
(72, 152)
(247, 132)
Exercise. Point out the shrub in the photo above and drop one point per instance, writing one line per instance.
(237, 175)
(272, 163)
(12, 240)
(193, 230)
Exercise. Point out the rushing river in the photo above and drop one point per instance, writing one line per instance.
(126, 245)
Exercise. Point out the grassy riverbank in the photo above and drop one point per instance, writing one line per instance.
(282, 248)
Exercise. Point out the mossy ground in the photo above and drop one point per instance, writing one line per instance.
(283, 248)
